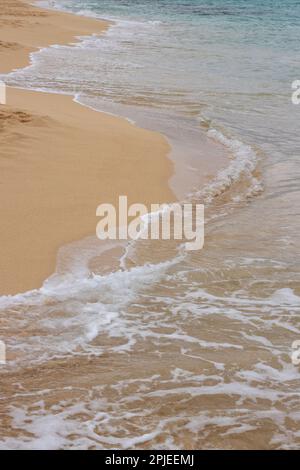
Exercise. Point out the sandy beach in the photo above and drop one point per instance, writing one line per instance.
(146, 344)
(60, 160)
(25, 28)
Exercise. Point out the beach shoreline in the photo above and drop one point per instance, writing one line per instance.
(72, 158)
(26, 28)
(145, 344)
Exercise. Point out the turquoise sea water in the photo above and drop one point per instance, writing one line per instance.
(192, 349)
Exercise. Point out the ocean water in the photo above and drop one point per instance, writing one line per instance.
(175, 349)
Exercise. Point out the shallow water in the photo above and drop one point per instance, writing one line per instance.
(194, 348)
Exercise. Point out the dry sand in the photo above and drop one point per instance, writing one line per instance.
(60, 160)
